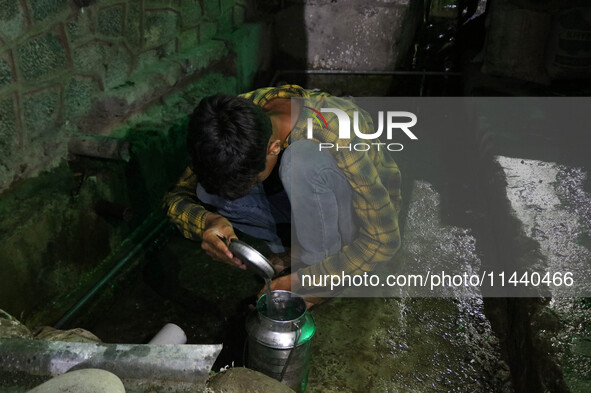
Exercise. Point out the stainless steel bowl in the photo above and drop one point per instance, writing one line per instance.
(254, 260)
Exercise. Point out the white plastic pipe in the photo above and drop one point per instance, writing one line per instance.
(169, 334)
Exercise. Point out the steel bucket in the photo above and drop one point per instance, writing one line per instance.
(279, 337)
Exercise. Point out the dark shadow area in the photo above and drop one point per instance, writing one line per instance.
(289, 40)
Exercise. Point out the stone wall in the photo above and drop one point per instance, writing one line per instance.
(126, 71)
(66, 69)
(369, 35)
(347, 35)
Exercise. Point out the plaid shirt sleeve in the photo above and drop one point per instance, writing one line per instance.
(182, 207)
(375, 180)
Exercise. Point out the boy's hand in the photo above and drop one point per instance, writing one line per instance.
(285, 283)
(218, 231)
(291, 282)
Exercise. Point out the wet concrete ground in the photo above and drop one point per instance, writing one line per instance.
(406, 345)
(410, 344)
(413, 344)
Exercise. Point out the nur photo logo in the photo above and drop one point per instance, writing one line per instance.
(390, 121)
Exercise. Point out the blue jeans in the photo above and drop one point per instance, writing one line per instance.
(320, 198)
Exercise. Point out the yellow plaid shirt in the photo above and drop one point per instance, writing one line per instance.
(373, 175)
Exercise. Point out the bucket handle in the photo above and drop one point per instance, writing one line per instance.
(295, 344)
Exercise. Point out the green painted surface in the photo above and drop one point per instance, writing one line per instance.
(169, 48)
(188, 40)
(160, 27)
(238, 15)
(202, 56)
(225, 22)
(145, 60)
(246, 43)
(207, 30)
(226, 5)
(211, 8)
(191, 13)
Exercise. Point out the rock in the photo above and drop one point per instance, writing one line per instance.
(10, 327)
(244, 380)
(72, 335)
(82, 381)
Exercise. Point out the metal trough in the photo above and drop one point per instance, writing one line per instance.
(171, 368)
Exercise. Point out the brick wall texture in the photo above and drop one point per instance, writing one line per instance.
(68, 69)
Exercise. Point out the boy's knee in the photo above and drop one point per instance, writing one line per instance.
(303, 160)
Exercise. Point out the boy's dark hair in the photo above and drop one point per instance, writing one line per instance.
(227, 142)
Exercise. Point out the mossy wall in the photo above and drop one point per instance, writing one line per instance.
(131, 70)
